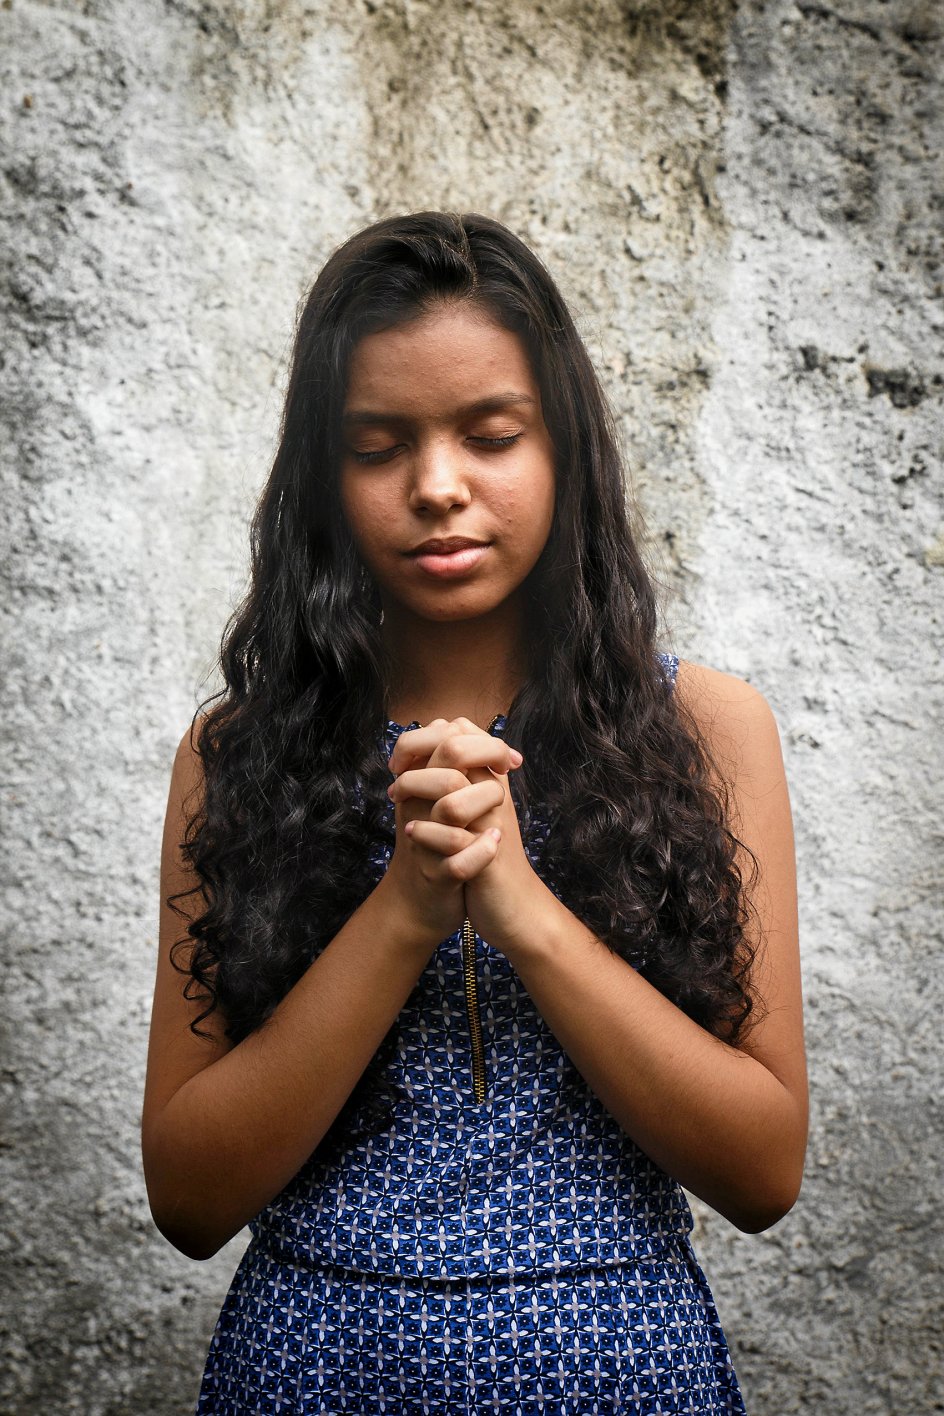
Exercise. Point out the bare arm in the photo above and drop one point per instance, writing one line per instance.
(729, 1123)
(225, 1127)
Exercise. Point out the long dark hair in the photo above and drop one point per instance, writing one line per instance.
(639, 846)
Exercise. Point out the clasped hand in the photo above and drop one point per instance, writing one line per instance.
(459, 851)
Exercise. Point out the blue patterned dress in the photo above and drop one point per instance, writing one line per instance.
(502, 1246)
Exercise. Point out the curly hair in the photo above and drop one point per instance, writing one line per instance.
(639, 846)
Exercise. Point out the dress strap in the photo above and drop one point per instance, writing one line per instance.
(669, 663)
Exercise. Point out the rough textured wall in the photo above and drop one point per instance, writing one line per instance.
(819, 575)
(744, 208)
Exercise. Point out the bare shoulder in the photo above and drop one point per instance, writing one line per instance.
(733, 717)
(712, 694)
(186, 785)
(188, 765)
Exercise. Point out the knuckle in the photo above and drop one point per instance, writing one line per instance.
(447, 753)
(487, 799)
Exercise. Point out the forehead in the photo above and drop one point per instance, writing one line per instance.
(450, 357)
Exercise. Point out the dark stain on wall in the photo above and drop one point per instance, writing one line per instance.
(698, 31)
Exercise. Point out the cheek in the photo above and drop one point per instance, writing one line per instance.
(360, 514)
(542, 513)
(535, 504)
(372, 523)
(526, 519)
(345, 502)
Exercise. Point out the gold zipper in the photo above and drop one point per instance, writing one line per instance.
(472, 1009)
(472, 995)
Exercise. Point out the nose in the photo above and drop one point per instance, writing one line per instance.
(439, 479)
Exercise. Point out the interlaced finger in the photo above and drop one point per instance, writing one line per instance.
(428, 783)
(460, 744)
(418, 743)
(464, 863)
(467, 804)
(441, 839)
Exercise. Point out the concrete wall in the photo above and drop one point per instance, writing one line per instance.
(744, 207)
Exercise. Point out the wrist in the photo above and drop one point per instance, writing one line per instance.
(406, 931)
(533, 937)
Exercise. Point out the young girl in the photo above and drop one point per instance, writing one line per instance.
(489, 936)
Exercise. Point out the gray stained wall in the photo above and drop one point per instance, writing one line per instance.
(744, 206)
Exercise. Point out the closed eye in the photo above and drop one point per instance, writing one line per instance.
(496, 442)
(383, 454)
(380, 456)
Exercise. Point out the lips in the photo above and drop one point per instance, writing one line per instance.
(453, 564)
(444, 546)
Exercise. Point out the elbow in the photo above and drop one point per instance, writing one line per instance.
(187, 1241)
(758, 1217)
(767, 1203)
(188, 1234)
(183, 1214)
(770, 1184)
(194, 1250)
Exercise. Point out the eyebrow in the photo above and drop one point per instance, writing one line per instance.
(367, 418)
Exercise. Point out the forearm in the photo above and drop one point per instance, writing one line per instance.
(710, 1115)
(236, 1132)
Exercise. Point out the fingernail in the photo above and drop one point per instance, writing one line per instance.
(516, 757)
(496, 833)
(408, 829)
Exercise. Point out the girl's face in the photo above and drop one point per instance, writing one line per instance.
(444, 437)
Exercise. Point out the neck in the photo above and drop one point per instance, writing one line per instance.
(470, 669)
